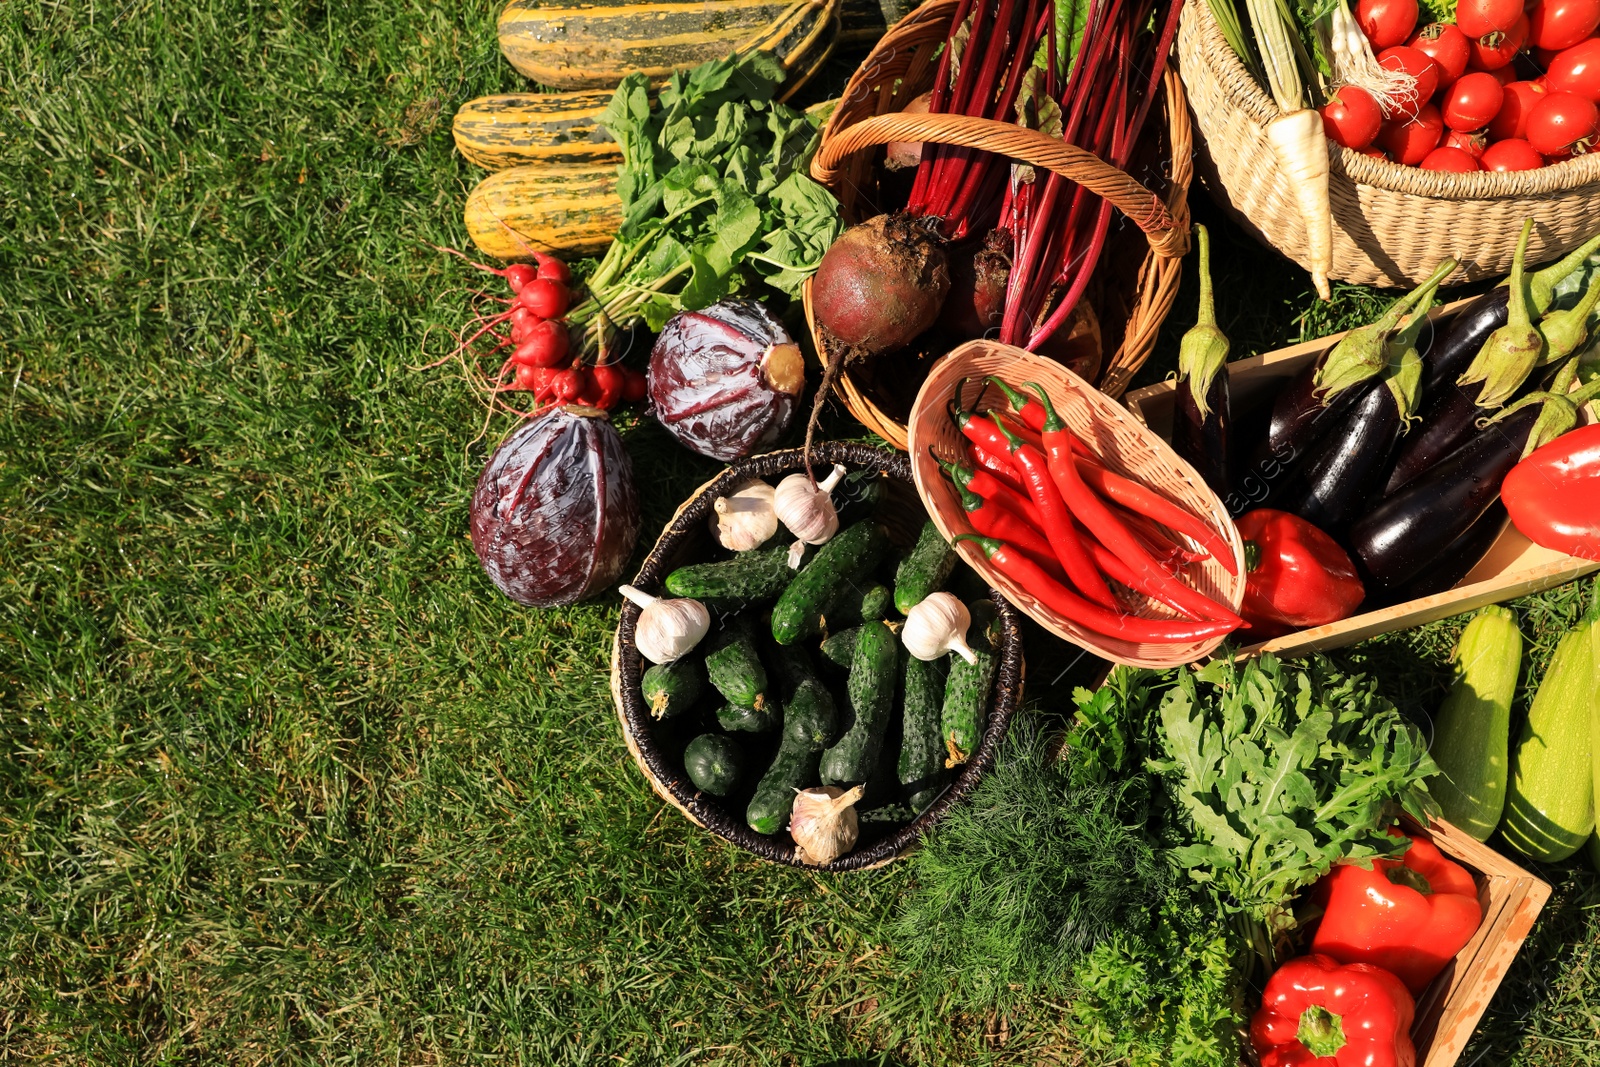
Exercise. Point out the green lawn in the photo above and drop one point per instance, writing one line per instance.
(284, 779)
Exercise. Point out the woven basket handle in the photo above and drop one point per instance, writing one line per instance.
(1079, 165)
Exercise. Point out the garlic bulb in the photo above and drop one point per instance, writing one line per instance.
(666, 628)
(797, 555)
(938, 625)
(824, 824)
(744, 519)
(807, 509)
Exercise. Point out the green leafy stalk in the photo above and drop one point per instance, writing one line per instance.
(1227, 17)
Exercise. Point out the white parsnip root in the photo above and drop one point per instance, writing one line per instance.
(1301, 146)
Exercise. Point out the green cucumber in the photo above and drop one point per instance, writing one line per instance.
(870, 704)
(838, 567)
(921, 766)
(924, 570)
(839, 647)
(714, 763)
(966, 694)
(670, 689)
(1471, 731)
(737, 720)
(809, 720)
(750, 577)
(735, 669)
(874, 604)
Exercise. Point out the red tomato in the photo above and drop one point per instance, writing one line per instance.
(1504, 75)
(1558, 24)
(1447, 46)
(1447, 158)
(1375, 152)
(1409, 142)
(1352, 117)
(1576, 70)
(1470, 103)
(1562, 125)
(1386, 22)
(1497, 50)
(1417, 64)
(1479, 18)
(1512, 119)
(1512, 154)
(1472, 143)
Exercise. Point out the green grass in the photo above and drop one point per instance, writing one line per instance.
(284, 779)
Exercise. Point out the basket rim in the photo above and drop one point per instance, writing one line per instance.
(1579, 176)
(672, 785)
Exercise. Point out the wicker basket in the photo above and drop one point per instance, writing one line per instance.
(1391, 224)
(687, 539)
(1132, 303)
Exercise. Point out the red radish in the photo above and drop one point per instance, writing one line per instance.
(1511, 154)
(1480, 18)
(1386, 22)
(1497, 50)
(1558, 24)
(546, 346)
(552, 268)
(1420, 66)
(1447, 46)
(545, 297)
(1351, 117)
(527, 379)
(1472, 101)
(611, 381)
(518, 275)
(1449, 159)
(634, 385)
(1471, 142)
(1512, 119)
(1562, 125)
(570, 383)
(1410, 141)
(1577, 70)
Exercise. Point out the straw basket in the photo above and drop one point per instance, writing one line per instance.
(1135, 292)
(657, 747)
(1125, 445)
(1391, 224)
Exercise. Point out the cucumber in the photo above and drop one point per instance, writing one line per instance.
(870, 692)
(1471, 731)
(735, 719)
(809, 720)
(857, 496)
(758, 575)
(966, 694)
(672, 688)
(714, 763)
(873, 604)
(735, 669)
(921, 766)
(924, 570)
(840, 646)
(839, 566)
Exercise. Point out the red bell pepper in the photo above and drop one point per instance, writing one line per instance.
(1409, 916)
(1553, 496)
(1317, 1011)
(1297, 576)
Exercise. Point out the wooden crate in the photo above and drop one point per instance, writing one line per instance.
(1514, 566)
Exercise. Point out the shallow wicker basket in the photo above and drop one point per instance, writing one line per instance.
(1126, 446)
(657, 747)
(1138, 283)
(1391, 224)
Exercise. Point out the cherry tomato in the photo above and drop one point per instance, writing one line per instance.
(1451, 159)
(1511, 154)
(1447, 46)
(1352, 117)
(1562, 125)
(1558, 24)
(1576, 70)
(633, 386)
(1417, 64)
(552, 268)
(1472, 101)
(1505, 75)
(1479, 18)
(1472, 143)
(1374, 152)
(1496, 50)
(545, 297)
(518, 275)
(1410, 141)
(1512, 119)
(1386, 22)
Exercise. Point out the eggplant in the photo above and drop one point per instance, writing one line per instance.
(1449, 418)
(1204, 409)
(1458, 557)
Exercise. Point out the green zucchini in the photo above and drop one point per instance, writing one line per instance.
(1471, 731)
(714, 763)
(1550, 804)
(921, 766)
(670, 689)
(734, 667)
(870, 704)
(839, 647)
(809, 721)
(511, 129)
(924, 570)
(749, 577)
(837, 568)
(966, 694)
(741, 720)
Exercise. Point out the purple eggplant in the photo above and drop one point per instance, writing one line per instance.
(555, 515)
(1458, 557)
(1203, 412)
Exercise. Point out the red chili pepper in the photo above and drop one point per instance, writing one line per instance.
(1317, 1011)
(1409, 916)
(1011, 422)
(1003, 469)
(1120, 572)
(1057, 526)
(1147, 501)
(1089, 509)
(1296, 576)
(1158, 541)
(1015, 565)
(1002, 524)
(1027, 409)
(1553, 495)
(991, 488)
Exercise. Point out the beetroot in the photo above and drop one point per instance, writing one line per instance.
(978, 276)
(555, 515)
(725, 381)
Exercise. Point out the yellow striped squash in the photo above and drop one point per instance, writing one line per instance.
(497, 132)
(562, 209)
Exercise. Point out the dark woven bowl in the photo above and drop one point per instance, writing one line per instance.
(657, 747)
